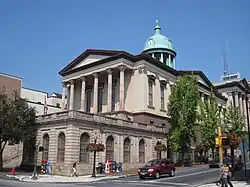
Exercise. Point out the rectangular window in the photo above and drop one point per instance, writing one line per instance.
(150, 93)
(162, 98)
(88, 100)
(100, 98)
(113, 97)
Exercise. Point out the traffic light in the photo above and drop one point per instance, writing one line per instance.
(225, 141)
(217, 141)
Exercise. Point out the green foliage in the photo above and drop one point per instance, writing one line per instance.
(17, 121)
(209, 119)
(233, 125)
(182, 110)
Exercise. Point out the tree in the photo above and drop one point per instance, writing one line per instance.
(160, 148)
(182, 110)
(17, 122)
(95, 147)
(233, 127)
(209, 118)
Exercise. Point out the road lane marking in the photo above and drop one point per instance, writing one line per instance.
(186, 175)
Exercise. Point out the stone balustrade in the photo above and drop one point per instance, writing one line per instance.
(53, 117)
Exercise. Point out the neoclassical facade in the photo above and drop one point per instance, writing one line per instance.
(119, 99)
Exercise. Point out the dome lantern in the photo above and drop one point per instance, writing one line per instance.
(160, 47)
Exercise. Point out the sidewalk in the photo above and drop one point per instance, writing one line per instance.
(236, 184)
(63, 179)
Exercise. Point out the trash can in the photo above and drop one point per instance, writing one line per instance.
(114, 166)
(99, 168)
(120, 167)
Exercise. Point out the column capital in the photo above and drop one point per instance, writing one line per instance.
(96, 74)
(235, 92)
(83, 78)
(229, 93)
(122, 67)
(109, 70)
(142, 70)
(64, 84)
(72, 81)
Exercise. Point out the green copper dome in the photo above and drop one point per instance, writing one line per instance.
(158, 41)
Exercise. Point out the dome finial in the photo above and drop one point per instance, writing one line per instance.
(157, 27)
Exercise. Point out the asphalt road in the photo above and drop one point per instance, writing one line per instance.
(187, 177)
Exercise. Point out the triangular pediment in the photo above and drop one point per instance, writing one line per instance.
(88, 57)
(200, 76)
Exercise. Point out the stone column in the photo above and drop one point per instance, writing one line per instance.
(72, 90)
(240, 103)
(162, 58)
(169, 60)
(95, 101)
(83, 94)
(230, 99)
(174, 63)
(109, 95)
(122, 68)
(68, 95)
(236, 97)
(63, 96)
(202, 96)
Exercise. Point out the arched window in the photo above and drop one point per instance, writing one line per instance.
(45, 154)
(110, 148)
(61, 147)
(84, 155)
(142, 151)
(126, 153)
(158, 154)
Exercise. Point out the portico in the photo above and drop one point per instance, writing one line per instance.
(100, 91)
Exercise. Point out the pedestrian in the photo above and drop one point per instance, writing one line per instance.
(227, 169)
(223, 176)
(74, 170)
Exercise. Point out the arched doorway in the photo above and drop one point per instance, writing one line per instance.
(84, 154)
(45, 154)
(61, 148)
(110, 148)
(126, 151)
(142, 151)
(158, 153)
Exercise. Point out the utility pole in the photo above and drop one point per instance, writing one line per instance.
(219, 144)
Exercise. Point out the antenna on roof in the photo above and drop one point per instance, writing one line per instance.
(226, 71)
(226, 75)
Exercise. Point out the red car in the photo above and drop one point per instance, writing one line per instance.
(157, 168)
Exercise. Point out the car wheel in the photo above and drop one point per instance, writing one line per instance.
(157, 175)
(172, 173)
(142, 178)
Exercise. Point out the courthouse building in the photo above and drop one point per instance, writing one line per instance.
(121, 100)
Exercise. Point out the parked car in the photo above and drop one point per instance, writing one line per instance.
(157, 168)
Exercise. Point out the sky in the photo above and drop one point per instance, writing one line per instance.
(39, 38)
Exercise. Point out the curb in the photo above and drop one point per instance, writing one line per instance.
(22, 179)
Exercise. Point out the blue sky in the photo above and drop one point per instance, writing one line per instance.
(38, 38)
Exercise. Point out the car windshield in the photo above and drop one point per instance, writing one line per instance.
(153, 163)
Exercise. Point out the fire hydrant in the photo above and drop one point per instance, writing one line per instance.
(13, 171)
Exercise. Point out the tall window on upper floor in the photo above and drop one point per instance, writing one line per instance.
(157, 56)
(100, 98)
(113, 98)
(150, 92)
(88, 100)
(162, 97)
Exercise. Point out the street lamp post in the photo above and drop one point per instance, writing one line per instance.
(93, 172)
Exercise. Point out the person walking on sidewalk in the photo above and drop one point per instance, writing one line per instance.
(74, 170)
(223, 177)
(227, 169)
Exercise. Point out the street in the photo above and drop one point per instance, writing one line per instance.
(188, 177)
